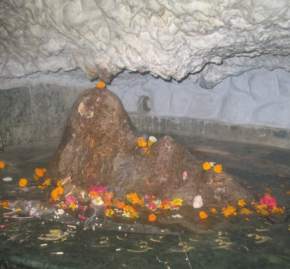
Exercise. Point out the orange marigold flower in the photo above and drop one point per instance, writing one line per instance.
(2, 164)
(202, 215)
(142, 142)
(4, 204)
(278, 210)
(152, 217)
(23, 182)
(218, 168)
(119, 204)
(56, 193)
(100, 85)
(213, 210)
(229, 211)
(134, 199)
(206, 166)
(165, 204)
(39, 172)
(242, 203)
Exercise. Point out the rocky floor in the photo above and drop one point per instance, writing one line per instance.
(259, 243)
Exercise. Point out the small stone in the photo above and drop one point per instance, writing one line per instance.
(7, 179)
(197, 202)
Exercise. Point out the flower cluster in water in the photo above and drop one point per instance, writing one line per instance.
(133, 205)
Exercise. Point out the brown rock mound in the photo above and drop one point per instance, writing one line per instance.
(99, 147)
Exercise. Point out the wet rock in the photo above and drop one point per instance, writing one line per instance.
(99, 148)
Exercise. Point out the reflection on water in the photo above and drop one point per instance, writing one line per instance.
(235, 243)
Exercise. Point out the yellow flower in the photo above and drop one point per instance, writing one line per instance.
(130, 212)
(229, 211)
(262, 209)
(23, 182)
(218, 168)
(177, 202)
(202, 215)
(109, 212)
(100, 85)
(47, 182)
(2, 164)
(73, 206)
(206, 166)
(245, 211)
(242, 203)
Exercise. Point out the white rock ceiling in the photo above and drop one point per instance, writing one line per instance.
(210, 39)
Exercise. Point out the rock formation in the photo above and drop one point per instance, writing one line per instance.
(99, 148)
(170, 39)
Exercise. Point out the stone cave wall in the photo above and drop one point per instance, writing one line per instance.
(195, 67)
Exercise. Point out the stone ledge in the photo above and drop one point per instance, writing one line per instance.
(188, 127)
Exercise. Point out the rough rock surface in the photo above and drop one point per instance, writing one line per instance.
(170, 39)
(99, 148)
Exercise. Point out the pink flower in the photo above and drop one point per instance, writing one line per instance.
(70, 199)
(152, 206)
(97, 189)
(82, 217)
(268, 200)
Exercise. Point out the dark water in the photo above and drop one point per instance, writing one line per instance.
(236, 243)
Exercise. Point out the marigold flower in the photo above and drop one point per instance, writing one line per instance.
(2, 164)
(118, 204)
(229, 211)
(23, 182)
(134, 199)
(73, 206)
(262, 209)
(242, 203)
(245, 211)
(177, 202)
(56, 193)
(202, 215)
(213, 210)
(152, 217)
(142, 142)
(47, 182)
(130, 212)
(4, 204)
(206, 166)
(218, 168)
(100, 85)
(109, 212)
(278, 210)
(165, 204)
(39, 173)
